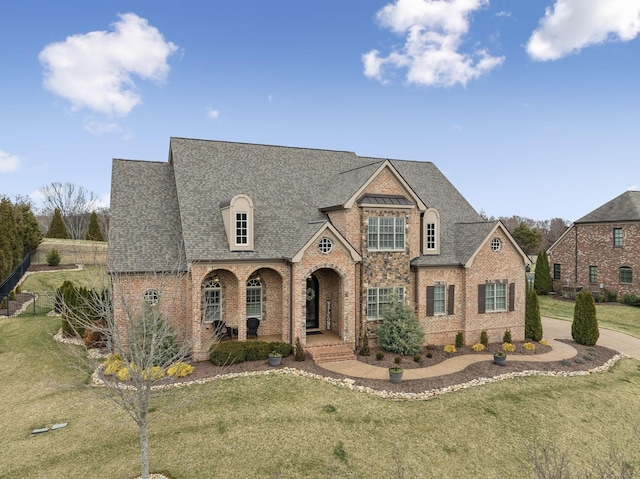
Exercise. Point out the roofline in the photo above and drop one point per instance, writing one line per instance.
(566, 232)
(355, 256)
(501, 225)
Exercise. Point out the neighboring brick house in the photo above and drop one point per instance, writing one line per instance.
(308, 240)
(601, 250)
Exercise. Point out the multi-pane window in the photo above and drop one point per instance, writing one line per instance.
(431, 236)
(496, 297)
(626, 275)
(556, 270)
(386, 233)
(151, 297)
(211, 301)
(617, 237)
(439, 299)
(242, 228)
(378, 300)
(254, 299)
(593, 274)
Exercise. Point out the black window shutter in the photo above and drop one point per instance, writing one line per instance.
(430, 300)
(481, 299)
(512, 296)
(452, 297)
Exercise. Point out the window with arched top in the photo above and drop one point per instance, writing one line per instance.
(211, 301)
(254, 298)
(431, 232)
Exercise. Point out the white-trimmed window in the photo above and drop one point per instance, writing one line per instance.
(211, 301)
(495, 297)
(378, 300)
(431, 232)
(254, 299)
(386, 233)
(151, 297)
(439, 299)
(242, 228)
(325, 245)
(431, 236)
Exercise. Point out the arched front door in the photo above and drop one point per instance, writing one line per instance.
(313, 321)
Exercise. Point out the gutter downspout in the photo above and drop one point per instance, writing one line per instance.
(576, 253)
(290, 303)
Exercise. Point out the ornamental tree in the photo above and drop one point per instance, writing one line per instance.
(542, 281)
(57, 228)
(532, 321)
(584, 328)
(400, 332)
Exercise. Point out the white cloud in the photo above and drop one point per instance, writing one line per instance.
(96, 70)
(96, 127)
(434, 30)
(212, 114)
(8, 163)
(572, 25)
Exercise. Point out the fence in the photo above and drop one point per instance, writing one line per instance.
(30, 304)
(8, 284)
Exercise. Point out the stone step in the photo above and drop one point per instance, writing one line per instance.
(335, 352)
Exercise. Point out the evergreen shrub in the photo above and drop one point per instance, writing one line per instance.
(584, 328)
(459, 339)
(400, 332)
(53, 257)
(484, 338)
(532, 322)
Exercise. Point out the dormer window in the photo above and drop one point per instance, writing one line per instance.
(431, 232)
(238, 223)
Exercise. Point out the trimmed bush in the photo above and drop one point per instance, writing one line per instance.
(459, 339)
(508, 347)
(12, 295)
(529, 346)
(478, 347)
(3, 303)
(542, 281)
(57, 228)
(507, 336)
(300, 355)
(484, 338)
(631, 300)
(449, 348)
(19, 289)
(364, 350)
(532, 321)
(379, 356)
(257, 350)
(93, 231)
(284, 349)
(227, 353)
(400, 332)
(53, 257)
(584, 328)
(179, 370)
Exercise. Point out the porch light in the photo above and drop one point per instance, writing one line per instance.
(216, 278)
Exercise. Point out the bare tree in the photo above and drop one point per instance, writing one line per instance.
(547, 461)
(132, 319)
(74, 202)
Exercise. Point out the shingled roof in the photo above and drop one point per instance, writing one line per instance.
(625, 207)
(290, 189)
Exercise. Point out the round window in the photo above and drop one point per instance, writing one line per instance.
(496, 244)
(325, 245)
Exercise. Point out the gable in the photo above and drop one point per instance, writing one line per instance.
(335, 234)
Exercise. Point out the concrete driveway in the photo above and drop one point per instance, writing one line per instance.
(628, 345)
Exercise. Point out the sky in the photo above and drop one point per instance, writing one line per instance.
(530, 108)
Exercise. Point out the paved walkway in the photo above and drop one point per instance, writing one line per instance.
(552, 328)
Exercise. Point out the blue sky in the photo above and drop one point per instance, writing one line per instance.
(530, 108)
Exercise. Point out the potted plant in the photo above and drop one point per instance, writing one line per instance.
(274, 358)
(500, 358)
(395, 372)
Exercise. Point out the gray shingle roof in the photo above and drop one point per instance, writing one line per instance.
(625, 207)
(147, 234)
(288, 186)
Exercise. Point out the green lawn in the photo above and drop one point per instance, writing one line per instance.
(292, 427)
(72, 251)
(614, 316)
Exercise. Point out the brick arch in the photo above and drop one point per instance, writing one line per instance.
(210, 273)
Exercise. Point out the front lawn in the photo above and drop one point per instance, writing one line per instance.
(616, 316)
(292, 427)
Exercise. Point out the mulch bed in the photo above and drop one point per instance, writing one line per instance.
(485, 369)
(37, 268)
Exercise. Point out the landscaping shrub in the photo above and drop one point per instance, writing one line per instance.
(3, 304)
(284, 349)
(584, 328)
(529, 346)
(611, 295)
(93, 230)
(146, 330)
(484, 338)
(256, 350)
(507, 336)
(53, 257)
(19, 289)
(299, 355)
(478, 347)
(57, 228)
(113, 363)
(400, 332)
(508, 347)
(379, 356)
(631, 300)
(94, 336)
(227, 353)
(12, 295)
(429, 354)
(364, 349)
(180, 370)
(459, 339)
(544, 342)
(532, 321)
(417, 358)
(449, 348)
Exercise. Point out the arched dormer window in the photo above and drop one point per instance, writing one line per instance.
(211, 301)
(238, 221)
(431, 232)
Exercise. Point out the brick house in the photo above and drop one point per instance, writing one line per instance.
(309, 242)
(601, 250)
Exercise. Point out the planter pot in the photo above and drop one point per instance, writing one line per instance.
(274, 360)
(500, 360)
(395, 376)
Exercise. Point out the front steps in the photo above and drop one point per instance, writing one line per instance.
(331, 353)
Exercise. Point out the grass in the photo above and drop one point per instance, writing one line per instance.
(293, 427)
(616, 316)
(72, 251)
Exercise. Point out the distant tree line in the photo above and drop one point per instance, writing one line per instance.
(19, 233)
(531, 235)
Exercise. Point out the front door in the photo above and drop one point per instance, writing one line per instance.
(312, 303)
